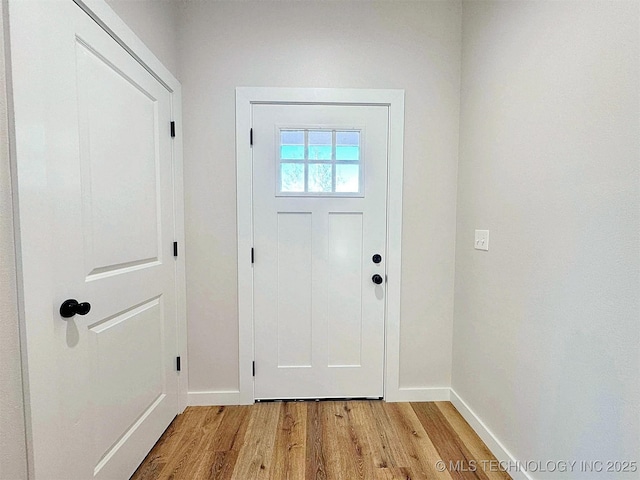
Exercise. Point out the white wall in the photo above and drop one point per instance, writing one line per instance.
(154, 22)
(547, 323)
(13, 455)
(408, 45)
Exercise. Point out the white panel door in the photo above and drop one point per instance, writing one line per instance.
(94, 159)
(320, 182)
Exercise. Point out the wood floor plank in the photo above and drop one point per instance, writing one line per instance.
(421, 453)
(230, 435)
(393, 473)
(218, 456)
(381, 446)
(200, 458)
(289, 450)
(373, 450)
(328, 440)
(155, 461)
(168, 447)
(221, 452)
(357, 447)
(316, 468)
(471, 440)
(150, 468)
(181, 462)
(165, 447)
(256, 454)
(334, 439)
(394, 453)
(456, 456)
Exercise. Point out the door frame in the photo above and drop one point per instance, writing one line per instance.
(100, 12)
(394, 100)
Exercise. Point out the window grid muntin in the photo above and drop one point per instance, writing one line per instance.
(306, 161)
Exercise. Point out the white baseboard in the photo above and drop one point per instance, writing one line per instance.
(232, 397)
(205, 399)
(496, 447)
(419, 394)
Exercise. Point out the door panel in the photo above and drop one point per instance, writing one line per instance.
(344, 315)
(294, 289)
(319, 216)
(95, 178)
(129, 371)
(119, 165)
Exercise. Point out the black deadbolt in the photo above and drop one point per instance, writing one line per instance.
(71, 307)
(377, 258)
(377, 279)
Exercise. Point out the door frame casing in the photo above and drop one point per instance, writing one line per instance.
(28, 246)
(246, 97)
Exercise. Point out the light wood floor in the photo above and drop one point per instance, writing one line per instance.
(329, 440)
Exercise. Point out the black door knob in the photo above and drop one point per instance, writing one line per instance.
(377, 279)
(377, 258)
(71, 307)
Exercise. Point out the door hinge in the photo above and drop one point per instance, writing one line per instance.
(173, 129)
(252, 256)
(178, 364)
(251, 137)
(253, 368)
(175, 249)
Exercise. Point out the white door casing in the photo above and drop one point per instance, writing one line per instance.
(393, 100)
(97, 172)
(319, 317)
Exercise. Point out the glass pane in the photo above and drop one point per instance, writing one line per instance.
(292, 144)
(348, 178)
(292, 137)
(292, 152)
(347, 153)
(319, 145)
(319, 152)
(319, 137)
(348, 146)
(292, 177)
(320, 177)
(348, 138)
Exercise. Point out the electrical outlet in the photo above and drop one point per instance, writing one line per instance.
(482, 240)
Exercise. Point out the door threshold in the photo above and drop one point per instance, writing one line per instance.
(323, 399)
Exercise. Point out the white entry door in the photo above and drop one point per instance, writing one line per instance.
(94, 158)
(320, 182)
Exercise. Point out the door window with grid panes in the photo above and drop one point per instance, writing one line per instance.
(320, 162)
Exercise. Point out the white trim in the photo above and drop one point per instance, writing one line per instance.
(495, 446)
(423, 394)
(179, 232)
(104, 16)
(394, 100)
(205, 399)
(394, 246)
(244, 193)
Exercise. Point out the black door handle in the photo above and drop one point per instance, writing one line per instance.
(71, 307)
(377, 279)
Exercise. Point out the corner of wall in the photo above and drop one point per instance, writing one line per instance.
(13, 450)
(488, 437)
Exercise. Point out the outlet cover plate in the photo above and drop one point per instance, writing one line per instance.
(481, 241)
